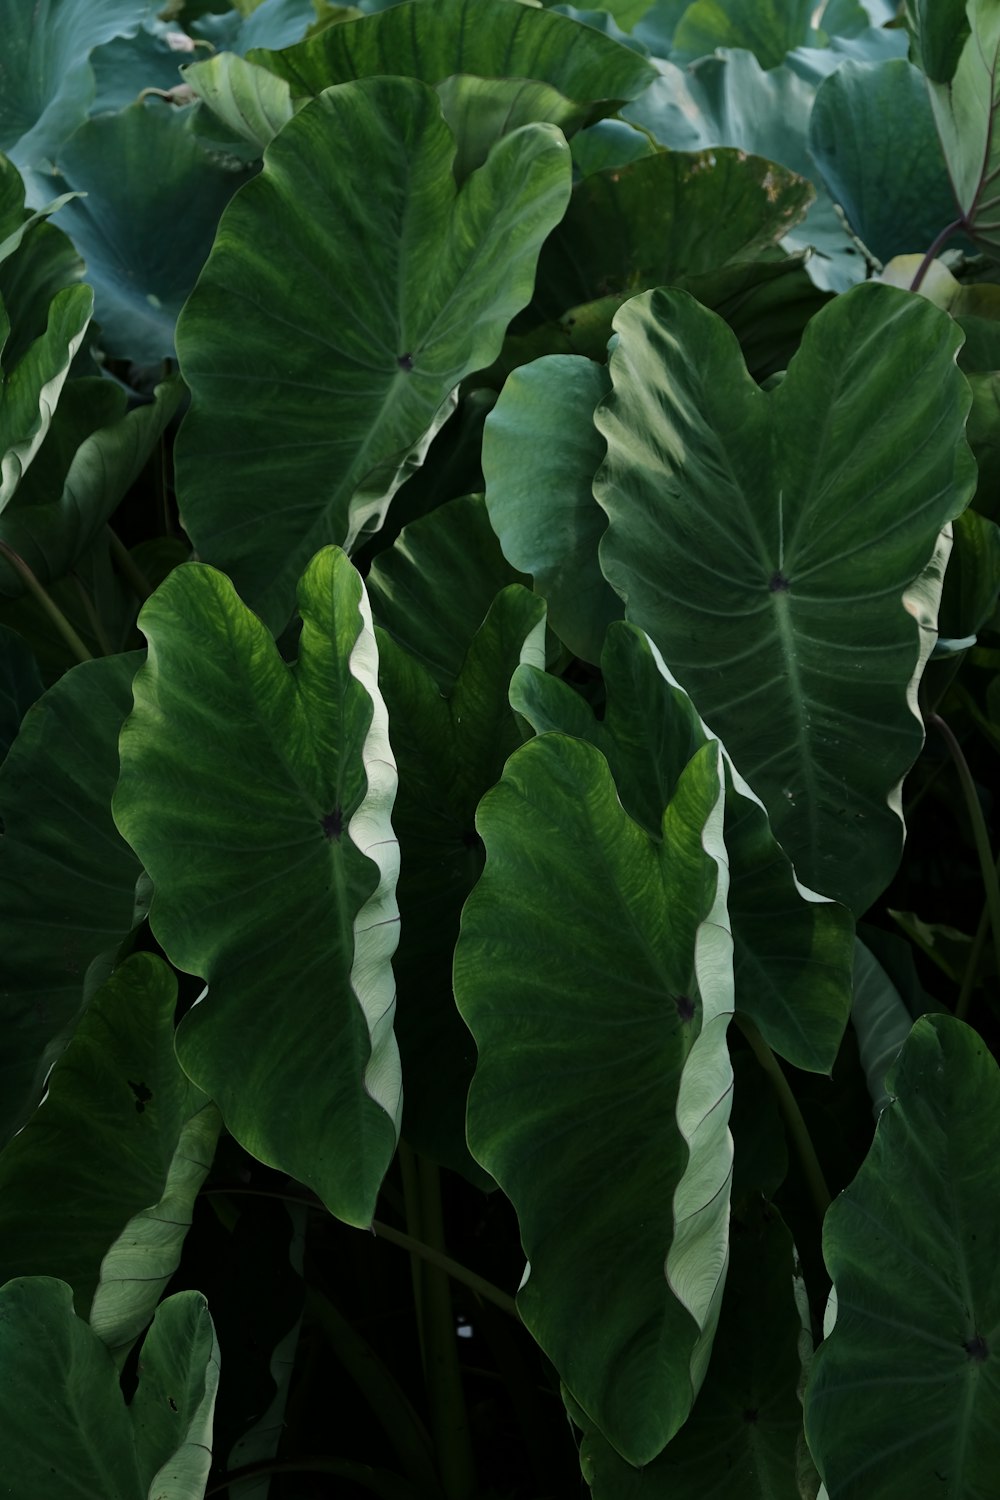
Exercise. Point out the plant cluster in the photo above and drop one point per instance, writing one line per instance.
(498, 546)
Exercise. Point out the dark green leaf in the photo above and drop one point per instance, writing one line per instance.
(540, 454)
(67, 887)
(813, 571)
(594, 968)
(767, 28)
(340, 415)
(904, 1394)
(144, 174)
(64, 1428)
(432, 588)
(20, 685)
(792, 954)
(259, 798)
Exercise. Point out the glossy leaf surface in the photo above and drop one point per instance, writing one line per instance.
(102, 1147)
(288, 912)
(814, 570)
(336, 416)
(904, 1394)
(591, 951)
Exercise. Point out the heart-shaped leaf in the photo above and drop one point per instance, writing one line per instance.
(591, 953)
(812, 570)
(904, 1393)
(338, 413)
(288, 911)
(64, 1427)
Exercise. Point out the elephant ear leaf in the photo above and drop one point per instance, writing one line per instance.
(625, 980)
(904, 1393)
(333, 388)
(797, 535)
(958, 48)
(258, 797)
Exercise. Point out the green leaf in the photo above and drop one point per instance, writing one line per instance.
(32, 387)
(494, 39)
(904, 1394)
(273, 23)
(92, 455)
(435, 275)
(67, 884)
(963, 78)
(258, 797)
(666, 220)
(898, 197)
(540, 454)
(432, 589)
(730, 100)
(792, 952)
(250, 100)
(64, 1427)
(44, 263)
(812, 572)
(20, 685)
(767, 28)
(450, 750)
(114, 1128)
(591, 952)
(144, 173)
(972, 581)
(708, 221)
(743, 1435)
(48, 82)
(881, 1020)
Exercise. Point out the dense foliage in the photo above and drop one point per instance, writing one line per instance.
(498, 550)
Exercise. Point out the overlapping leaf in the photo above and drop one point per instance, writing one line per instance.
(47, 79)
(810, 569)
(487, 39)
(899, 197)
(347, 364)
(259, 798)
(594, 968)
(792, 953)
(540, 454)
(451, 751)
(92, 453)
(144, 174)
(64, 1426)
(67, 881)
(958, 48)
(121, 1131)
(904, 1393)
(744, 1436)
